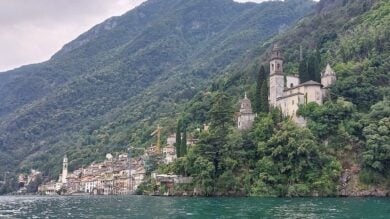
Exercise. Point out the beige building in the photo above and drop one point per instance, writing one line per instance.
(48, 188)
(109, 177)
(287, 93)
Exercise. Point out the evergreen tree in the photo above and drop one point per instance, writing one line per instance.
(303, 72)
(264, 104)
(313, 68)
(178, 138)
(183, 145)
(212, 145)
(261, 78)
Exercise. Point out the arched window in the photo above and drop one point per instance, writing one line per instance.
(278, 66)
(272, 67)
(291, 85)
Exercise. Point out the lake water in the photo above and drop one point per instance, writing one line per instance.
(178, 207)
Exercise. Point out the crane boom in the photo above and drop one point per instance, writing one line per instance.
(158, 133)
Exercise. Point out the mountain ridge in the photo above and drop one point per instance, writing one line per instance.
(90, 100)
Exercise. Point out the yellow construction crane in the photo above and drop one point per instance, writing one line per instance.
(158, 132)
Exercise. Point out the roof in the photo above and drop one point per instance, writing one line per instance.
(307, 83)
(290, 95)
(311, 82)
(328, 71)
(246, 106)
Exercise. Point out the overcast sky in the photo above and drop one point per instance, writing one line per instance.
(32, 31)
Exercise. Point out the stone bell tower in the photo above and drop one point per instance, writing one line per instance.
(276, 79)
(64, 169)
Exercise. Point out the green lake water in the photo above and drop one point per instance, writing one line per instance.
(182, 207)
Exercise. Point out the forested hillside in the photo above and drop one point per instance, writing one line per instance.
(344, 148)
(110, 87)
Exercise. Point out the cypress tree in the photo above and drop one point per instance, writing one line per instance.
(313, 68)
(264, 107)
(303, 72)
(183, 146)
(261, 78)
(178, 138)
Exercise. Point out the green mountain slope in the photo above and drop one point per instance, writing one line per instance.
(110, 86)
(347, 135)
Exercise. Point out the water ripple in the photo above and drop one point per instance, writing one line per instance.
(184, 207)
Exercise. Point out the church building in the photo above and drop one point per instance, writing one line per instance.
(246, 117)
(287, 93)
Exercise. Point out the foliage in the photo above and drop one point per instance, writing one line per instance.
(32, 187)
(109, 87)
(303, 71)
(313, 68)
(324, 121)
(376, 153)
(293, 161)
(293, 164)
(261, 94)
(178, 138)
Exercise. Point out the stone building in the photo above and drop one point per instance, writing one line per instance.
(245, 117)
(287, 93)
(64, 170)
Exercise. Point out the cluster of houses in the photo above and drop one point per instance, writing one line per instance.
(115, 175)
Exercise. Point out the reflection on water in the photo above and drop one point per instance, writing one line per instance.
(168, 207)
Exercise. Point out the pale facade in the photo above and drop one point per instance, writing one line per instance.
(169, 153)
(64, 170)
(109, 177)
(246, 117)
(287, 93)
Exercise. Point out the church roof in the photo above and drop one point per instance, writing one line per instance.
(307, 83)
(290, 95)
(246, 105)
(311, 82)
(328, 71)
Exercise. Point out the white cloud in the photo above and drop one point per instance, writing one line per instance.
(33, 30)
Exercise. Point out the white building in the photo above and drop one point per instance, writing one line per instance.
(287, 93)
(64, 170)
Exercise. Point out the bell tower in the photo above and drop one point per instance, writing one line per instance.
(64, 169)
(276, 79)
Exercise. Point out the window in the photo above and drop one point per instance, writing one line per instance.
(272, 67)
(278, 66)
(291, 85)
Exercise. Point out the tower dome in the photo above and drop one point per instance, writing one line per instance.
(328, 71)
(246, 105)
